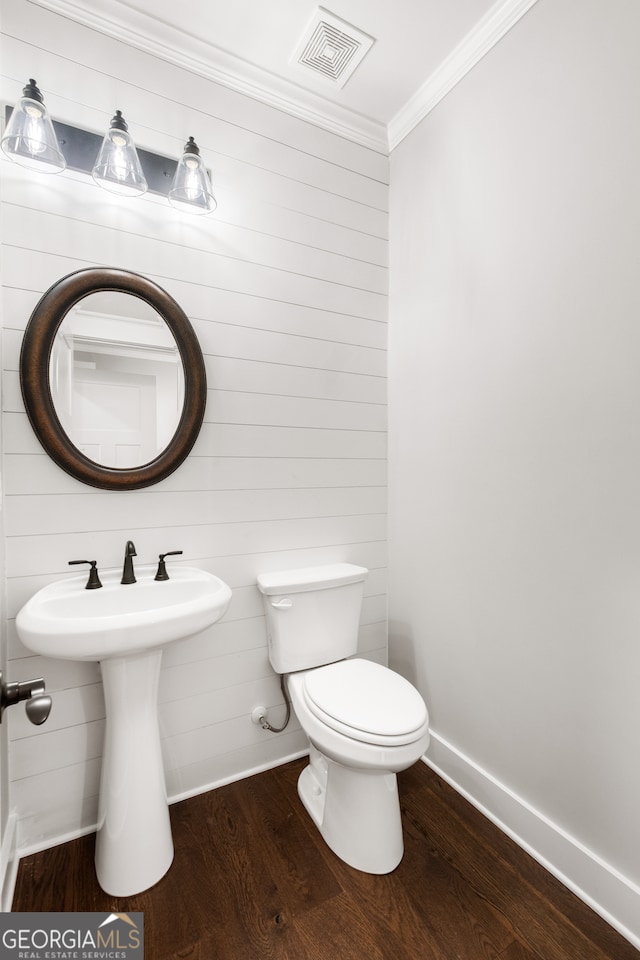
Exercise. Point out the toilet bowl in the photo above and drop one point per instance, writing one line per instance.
(349, 787)
(364, 722)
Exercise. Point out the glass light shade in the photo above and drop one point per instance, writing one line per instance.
(118, 167)
(191, 189)
(29, 138)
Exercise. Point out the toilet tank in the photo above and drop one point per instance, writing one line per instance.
(312, 614)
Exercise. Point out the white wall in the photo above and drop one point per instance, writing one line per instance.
(514, 384)
(286, 287)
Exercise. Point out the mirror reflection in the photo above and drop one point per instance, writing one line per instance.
(116, 379)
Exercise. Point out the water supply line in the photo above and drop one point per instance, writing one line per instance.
(261, 712)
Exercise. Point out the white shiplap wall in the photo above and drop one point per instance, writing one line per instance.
(286, 288)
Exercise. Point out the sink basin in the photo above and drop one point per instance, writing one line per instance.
(65, 620)
(125, 627)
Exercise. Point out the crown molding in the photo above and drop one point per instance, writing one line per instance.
(486, 33)
(119, 21)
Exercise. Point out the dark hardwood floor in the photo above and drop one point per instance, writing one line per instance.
(252, 880)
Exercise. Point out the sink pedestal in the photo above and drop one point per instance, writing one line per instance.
(134, 847)
(124, 627)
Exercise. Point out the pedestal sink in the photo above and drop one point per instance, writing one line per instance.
(124, 627)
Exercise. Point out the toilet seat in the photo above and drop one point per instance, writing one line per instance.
(367, 702)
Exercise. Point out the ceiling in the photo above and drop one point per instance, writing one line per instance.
(252, 44)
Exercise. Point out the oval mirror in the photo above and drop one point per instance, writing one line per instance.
(113, 378)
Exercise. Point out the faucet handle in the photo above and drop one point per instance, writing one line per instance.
(162, 567)
(94, 580)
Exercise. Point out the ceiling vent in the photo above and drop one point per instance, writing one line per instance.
(331, 47)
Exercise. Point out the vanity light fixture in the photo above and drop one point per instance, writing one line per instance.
(191, 189)
(33, 140)
(117, 167)
(29, 137)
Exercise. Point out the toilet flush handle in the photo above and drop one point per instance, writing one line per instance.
(284, 604)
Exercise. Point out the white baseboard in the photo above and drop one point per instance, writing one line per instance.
(26, 850)
(610, 894)
(260, 768)
(9, 860)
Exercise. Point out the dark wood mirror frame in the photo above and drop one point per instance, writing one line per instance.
(36, 391)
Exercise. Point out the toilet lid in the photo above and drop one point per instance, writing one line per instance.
(366, 701)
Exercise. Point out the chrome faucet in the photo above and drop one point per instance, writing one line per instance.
(128, 575)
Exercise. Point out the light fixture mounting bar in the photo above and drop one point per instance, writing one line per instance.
(80, 149)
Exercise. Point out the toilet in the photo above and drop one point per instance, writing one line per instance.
(364, 722)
